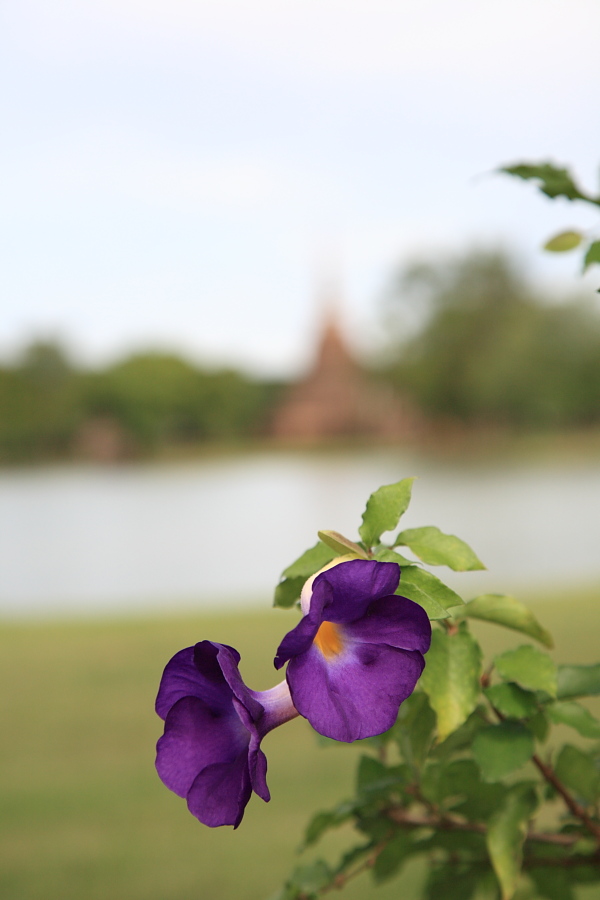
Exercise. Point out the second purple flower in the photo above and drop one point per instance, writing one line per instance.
(358, 651)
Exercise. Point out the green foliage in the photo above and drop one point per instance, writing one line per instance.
(578, 681)
(551, 180)
(442, 784)
(579, 772)
(561, 243)
(147, 402)
(529, 667)
(556, 182)
(439, 549)
(502, 748)
(384, 509)
(506, 836)
(507, 611)
(451, 679)
(488, 349)
(567, 712)
(341, 544)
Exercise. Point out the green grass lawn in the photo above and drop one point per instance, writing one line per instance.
(83, 814)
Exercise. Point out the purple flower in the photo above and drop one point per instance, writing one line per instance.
(210, 750)
(358, 651)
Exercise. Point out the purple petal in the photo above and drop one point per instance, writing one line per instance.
(298, 640)
(257, 765)
(220, 793)
(195, 737)
(357, 695)
(395, 621)
(353, 586)
(195, 672)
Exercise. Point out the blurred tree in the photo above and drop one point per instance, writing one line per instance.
(40, 404)
(488, 349)
(160, 399)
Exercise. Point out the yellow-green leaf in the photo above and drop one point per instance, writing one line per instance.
(451, 679)
(561, 243)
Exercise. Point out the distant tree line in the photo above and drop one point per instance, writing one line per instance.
(150, 401)
(484, 347)
(471, 341)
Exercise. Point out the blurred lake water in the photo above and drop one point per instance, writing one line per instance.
(218, 532)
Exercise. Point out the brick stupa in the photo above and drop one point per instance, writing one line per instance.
(338, 399)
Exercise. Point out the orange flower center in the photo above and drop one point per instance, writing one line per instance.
(328, 639)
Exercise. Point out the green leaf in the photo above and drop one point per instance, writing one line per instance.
(567, 712)
(341, 544)
(431, 585)
(592, 255)
(373, 777)
(451, 679)
(310, 562)
(540, 726)
(563, 242)
(507, 611)
(506, 836)
(529, 667)
(552, 883)
(577, 771)
(512, 701)
(578, 681)
(384, 508)
(311, 879)
(414, 728)
(439, 549)
(287, 592)
(554, 182)
(384, 553)
(431, 606)
(448, 883)
(392, 856)
(500, 749)
(324, 821)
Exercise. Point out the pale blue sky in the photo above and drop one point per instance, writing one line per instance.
(176, 173)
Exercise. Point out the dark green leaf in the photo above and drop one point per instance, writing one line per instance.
(451, 679)
(592, 255)
(563, 242)
(310, 562)
(540, 726)
(439, 549)
(430, 585)
(324, 821)
(462, 738)
(553, 182)
(287, 592)
(375, 779)
(578, 681)
(311, 879)
(414, 728)
(392, 856)
(529, 667)
(506, 835)
(507, 611)
(341, 544)
(578, 772)
(512, 701)
(448, 883)
(384, 508)
(567, 712)
(552, 883)
(501, 749)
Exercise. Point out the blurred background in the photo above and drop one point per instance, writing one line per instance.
(258, 261)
